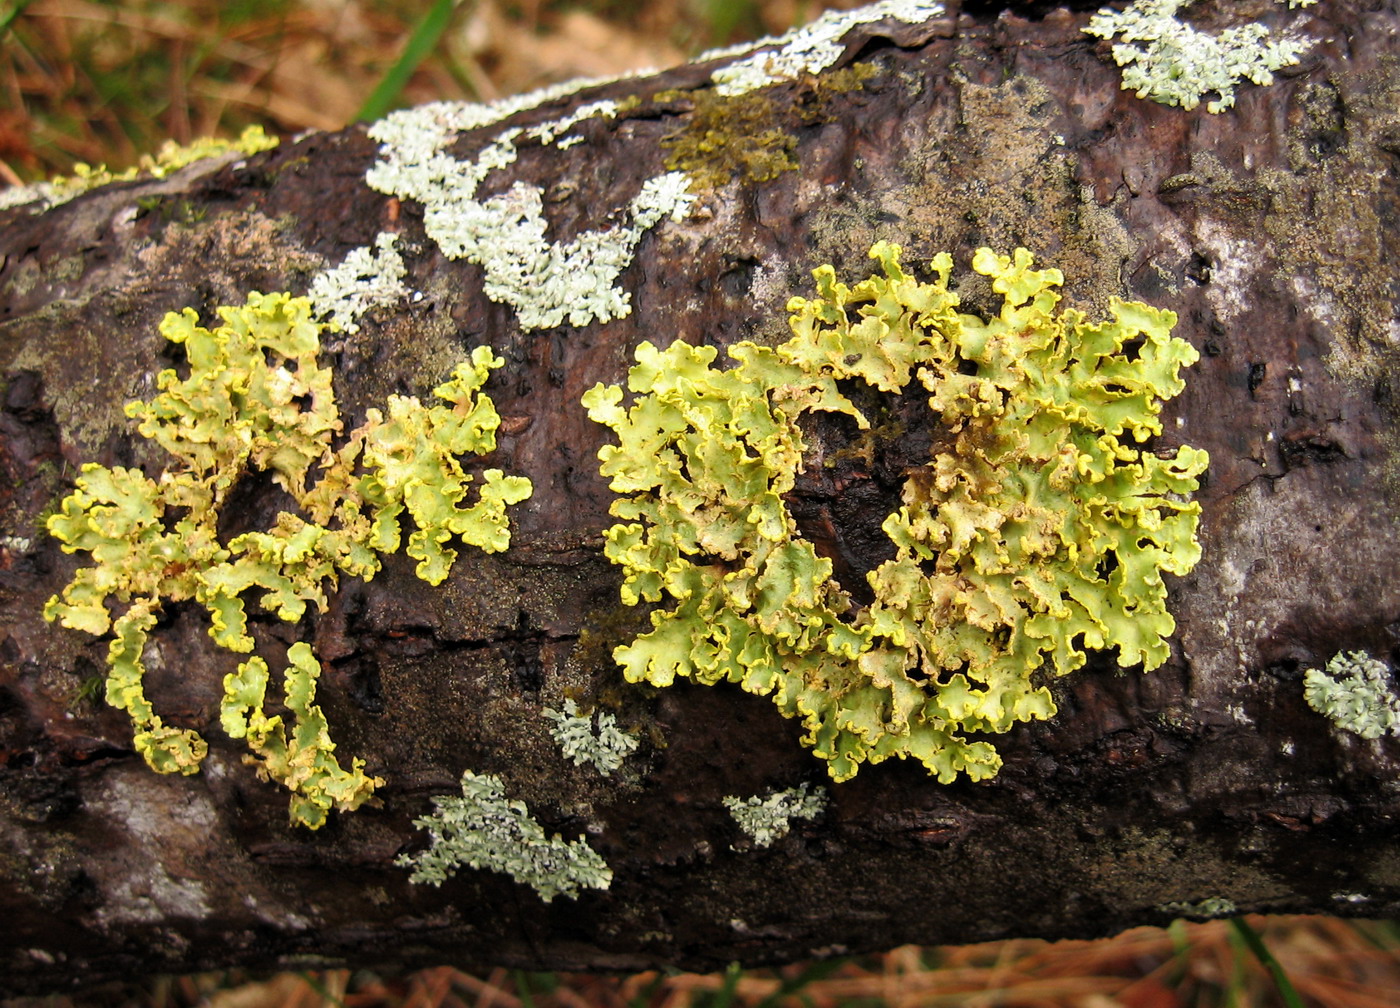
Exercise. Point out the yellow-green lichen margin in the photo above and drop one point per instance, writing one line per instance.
(256, 400)
(169, 159)
(1036, 532)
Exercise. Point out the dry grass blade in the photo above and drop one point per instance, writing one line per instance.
(278, 992)
(1332, 964)
(104, 82)
(490, 993)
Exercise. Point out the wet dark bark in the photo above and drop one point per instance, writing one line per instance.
(1272, 230)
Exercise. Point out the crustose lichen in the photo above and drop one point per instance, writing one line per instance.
(255, 400)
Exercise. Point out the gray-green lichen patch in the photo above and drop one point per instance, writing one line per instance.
(367, 277)
(484, 829)
(1172, 62)
(766, 818)
(808, 49)
(1210, 907)
(592, 739)
(546, 282)
(1355, 692)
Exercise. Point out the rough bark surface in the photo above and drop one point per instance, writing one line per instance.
(1272, 230)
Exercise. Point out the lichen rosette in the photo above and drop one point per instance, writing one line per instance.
(255, 400)
(1037, 530)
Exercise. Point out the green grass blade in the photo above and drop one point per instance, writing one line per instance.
(7, 17)
(794, 984)
(1181, 952)
(1383, 934)
(314, 982)
(724, 18)
(723, 997)
(420, 45)
(1236, 989)
(523, 989)
(1255, 944)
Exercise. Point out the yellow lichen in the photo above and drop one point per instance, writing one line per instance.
(170, 158)
(255, 400)
(1035, 532)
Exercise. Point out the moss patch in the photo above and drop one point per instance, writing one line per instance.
(749, 136)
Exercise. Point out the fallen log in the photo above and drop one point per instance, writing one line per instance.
(994, 653)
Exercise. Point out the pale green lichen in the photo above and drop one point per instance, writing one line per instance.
(484, 829)
(546, 282)
(1211, 907)
(596, 741)
(808, 49)
(255, 400)
(365, 278)
(1355, 693)
(1173, 63)
(769, 817)
(170, 158)
(1036, 531)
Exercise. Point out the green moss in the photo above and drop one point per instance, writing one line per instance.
(725, 138)
(255, 400)
(748, 136)
(173, 211)
(1036, 531)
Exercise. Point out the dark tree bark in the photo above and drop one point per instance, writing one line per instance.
(1273, 230)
